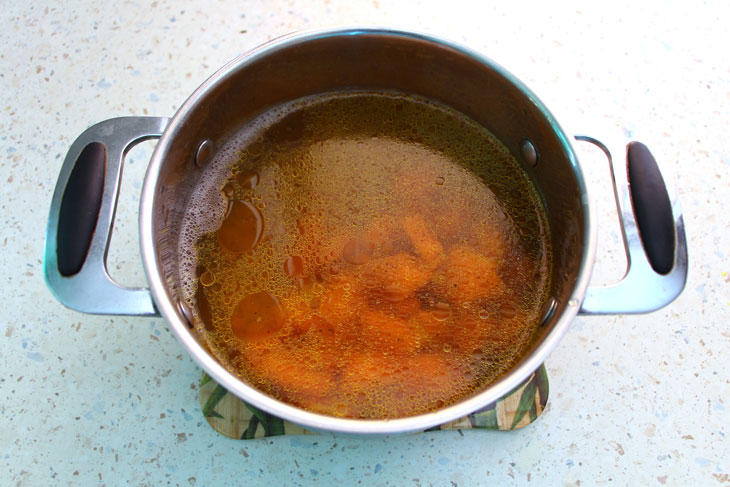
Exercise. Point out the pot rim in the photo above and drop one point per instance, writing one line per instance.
(314, 421)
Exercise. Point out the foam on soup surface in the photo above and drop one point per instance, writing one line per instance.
(366, 255)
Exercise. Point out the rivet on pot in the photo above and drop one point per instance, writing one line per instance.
(202, 155)
(528, 152)
(186, 312)
(550, 308)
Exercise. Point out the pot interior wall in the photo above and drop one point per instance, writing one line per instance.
(406, 63)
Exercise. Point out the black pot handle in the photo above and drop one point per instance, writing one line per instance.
(82, 216)
(79, 211)
(652, 207)
(654, 237)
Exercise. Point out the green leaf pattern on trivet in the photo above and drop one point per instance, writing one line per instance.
(206, 378)
(527, 401)
(215, 397)
(273, 426)
(485, 419)
(235, 418)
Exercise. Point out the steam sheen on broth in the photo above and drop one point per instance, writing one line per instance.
(366, 255)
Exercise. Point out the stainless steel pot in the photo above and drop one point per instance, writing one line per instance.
(83, 205)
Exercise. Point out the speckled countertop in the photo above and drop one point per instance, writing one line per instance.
(635, 400)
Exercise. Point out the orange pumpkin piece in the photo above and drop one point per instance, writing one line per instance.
(399, 275)
(471, 275)
(300, 380)
(427, 247)
(338, 304)
(383, 332)
(428, 373)
(366, 371)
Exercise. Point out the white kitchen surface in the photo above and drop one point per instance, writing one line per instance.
(635, 400)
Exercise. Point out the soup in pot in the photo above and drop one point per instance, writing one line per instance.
(366, 255)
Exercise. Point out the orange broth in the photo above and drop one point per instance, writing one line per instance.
(367, 255)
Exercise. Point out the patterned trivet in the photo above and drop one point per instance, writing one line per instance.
(234, 418)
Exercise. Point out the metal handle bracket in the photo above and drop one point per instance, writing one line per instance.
(642, 289)
(86, 285)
